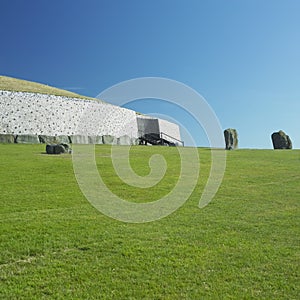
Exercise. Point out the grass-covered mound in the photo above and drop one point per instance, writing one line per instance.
(19, 85)
(243, 245)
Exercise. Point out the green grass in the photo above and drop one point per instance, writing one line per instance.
(243, 245)
(19, 85)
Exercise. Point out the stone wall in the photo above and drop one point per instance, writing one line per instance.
(39, 114)
(32, 118)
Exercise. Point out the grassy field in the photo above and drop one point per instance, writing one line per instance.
(14, 84)
(243, 245)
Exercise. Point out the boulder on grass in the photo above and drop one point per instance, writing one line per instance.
(281, 140)
(55, 149)
(231, 138)
(7, 139)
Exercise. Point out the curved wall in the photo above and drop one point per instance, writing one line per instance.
(40, 114)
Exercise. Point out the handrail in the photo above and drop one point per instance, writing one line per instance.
(160, 137)
(162, 133)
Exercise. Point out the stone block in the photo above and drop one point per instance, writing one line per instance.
(27, 139)
(7, 139)
(79, 139)
(95, 139)
(124, 140)
(60, 139)
(231, 138)
(281, 140)
(63, 139)
(108, 139)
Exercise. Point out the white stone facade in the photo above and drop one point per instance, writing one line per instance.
(40, 114)
(169, 131)
(48, 115)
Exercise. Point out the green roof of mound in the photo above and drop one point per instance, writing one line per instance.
(19, 85)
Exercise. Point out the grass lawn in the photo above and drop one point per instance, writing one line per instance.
(243, 245)
(19, 85)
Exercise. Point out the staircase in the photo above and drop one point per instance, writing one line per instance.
(161, 139)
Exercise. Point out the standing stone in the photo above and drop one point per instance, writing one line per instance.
(281, 140)
(231, 139)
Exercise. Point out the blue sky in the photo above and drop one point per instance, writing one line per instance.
(242, 56)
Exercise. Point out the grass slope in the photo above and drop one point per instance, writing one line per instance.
(243, 245)
(19, 85)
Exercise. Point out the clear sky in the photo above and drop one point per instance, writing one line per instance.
(242, 56)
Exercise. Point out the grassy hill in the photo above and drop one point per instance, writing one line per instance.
(14, 84)
(243, 245)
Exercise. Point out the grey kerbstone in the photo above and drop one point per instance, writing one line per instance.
(63, 139)
(281, 140)
(47, 139)
(135, 141)
(95, 139)
(231, 138)
(108, 139)
(124, 140)
(99, 139)
(79, 139)
(7, 138)
(60, 139)
(27, 139)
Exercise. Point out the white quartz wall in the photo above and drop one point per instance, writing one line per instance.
(40, 114)
(168, 130)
